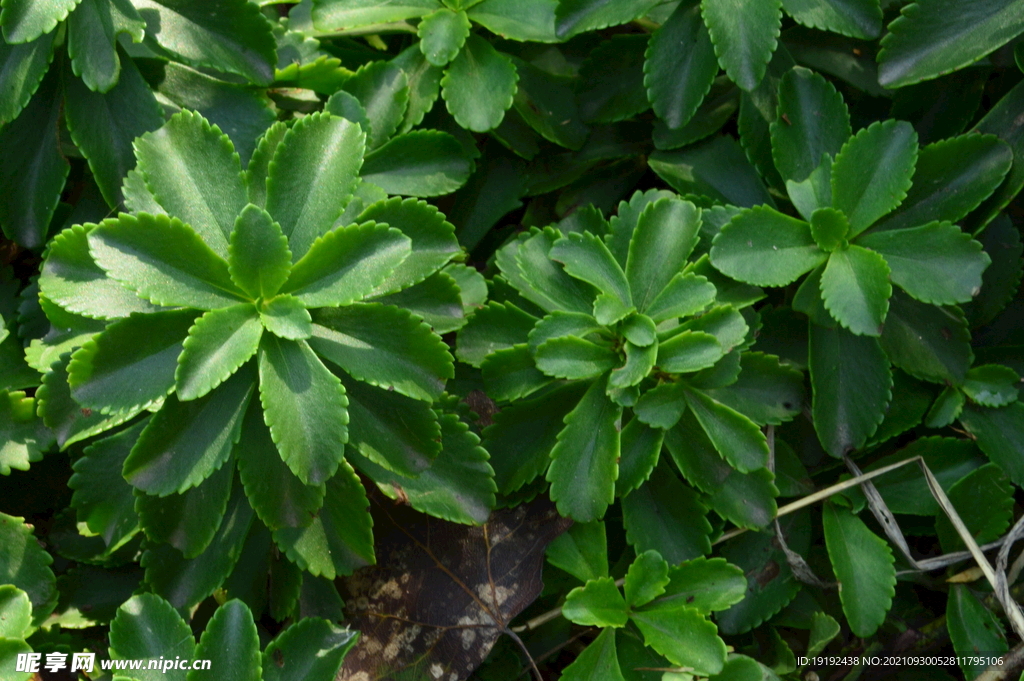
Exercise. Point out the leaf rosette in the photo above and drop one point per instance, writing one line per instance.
(254, 318)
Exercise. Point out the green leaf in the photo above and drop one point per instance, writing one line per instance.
(972, 628)
(641, 448)
(598, 661)
(906, 491)
(102, 499)
(26, 565)
(382, 89)
(459, 484)
(279, 498)
(737, 438)
(526, 265)
(10, 649)
(479, 85)
(340, 539)
(685, 295)
(744, 33)
(384, 346)
(813, 193)
(23, 439)
(854, 18)
(311, 649)
(999, 433)
(347, 264)
(935, 263)
(32, 167)
(1002, 241)
(574, 358)
(548, 105)
(24, 67)
(218, 344)
(255, 174)
(767, 391)
(286, 317)
(928, 342)
(532, 20)
(524, 433)
(683, 635)
(664, 237)
(764, 247)
(185, 442)
(194, 173)
(584, 461)
(147, 626)
(611, 84)
(419, 163)
(991, 385)
(232, 645)
(1002, 121)
(15, 613)
(873, 171)
(438, 299)
(163, 261)
(679, 66)
(512, 374)
(934, 37)
(391, 430)
(863, 564)
(705, 584)
(305, 406)
(230, 36)
(577, 16)
(432, 238)
(306, 198)
(259, 261)
(716, 168)
(582, 551)
(639, 330)
(188, 521)
(442, 35)
(984, 501)
(563, 325)
(855, 288)
(103, 126)
(131, 364)
(332, 15)
(852, 385)
(952, 178)
(829, 228)
(689, 351)
(813, 120)
(598, 603)
(586, 257)
(93, 31)
(646, 579)
(187, 582)
(25, 20)
(666, 516)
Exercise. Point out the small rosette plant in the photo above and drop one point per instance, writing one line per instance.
(601, 341)
(258, 315)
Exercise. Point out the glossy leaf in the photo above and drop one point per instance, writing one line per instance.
(24, 20)
(855, 288)
(744, 33)
(972, 627)
(855, 18)
(716, 168)
(873, 171)
(813, 121)
(680, 66)
(984, 501)
(928, 342)
(217, 345)
(231, 36)
(764, 247)
(597, 661)
(418, 163)
(105, 137)
(259, 261)
(304, 405)
(186, 441)
(147, 626)
(992, 385)
(25, 66)
(999, 434)
(737, 438)
(304, 198)
(935, 263)
(32, 167)
(587, 258)
(582, 551)
(666, 516)
(598, 603)
(479, 85)
(852, 385)
(664, 237)
(548, 104)
(933, 37)
(92, 34)
(193, 172)
(683, 635)
(26, 565)
(131, 364)
(863, 564)
(382, 89)
(584, 459)
(516, 20)
(187, 521)
(231, 642)
(442, 35)
(310, 650)
(163, 261)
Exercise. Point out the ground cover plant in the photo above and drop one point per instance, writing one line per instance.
(499, 339)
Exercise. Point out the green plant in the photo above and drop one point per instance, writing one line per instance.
(328, 316)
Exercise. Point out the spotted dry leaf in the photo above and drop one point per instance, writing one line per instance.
(442, 593)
